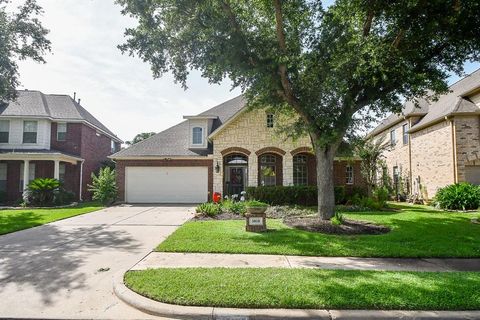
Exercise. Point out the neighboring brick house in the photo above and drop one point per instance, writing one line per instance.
(49, 135)
(436, 143)
(224, 149)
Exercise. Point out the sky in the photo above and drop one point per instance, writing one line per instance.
(117, 89)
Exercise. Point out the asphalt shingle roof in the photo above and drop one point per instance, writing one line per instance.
(175, 140)
(452, 102)
(32, 103)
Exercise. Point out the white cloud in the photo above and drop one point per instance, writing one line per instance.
(119, 90)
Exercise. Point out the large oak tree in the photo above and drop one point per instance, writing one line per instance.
(22, 37)
(334, 66)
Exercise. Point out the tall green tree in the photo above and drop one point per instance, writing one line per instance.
(334, 66)
(140, 137)
(22, 37)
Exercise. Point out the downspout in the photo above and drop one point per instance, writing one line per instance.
(410, 156)
(454, 149)
(81, 180)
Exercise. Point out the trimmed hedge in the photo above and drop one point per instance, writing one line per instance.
(295, 195)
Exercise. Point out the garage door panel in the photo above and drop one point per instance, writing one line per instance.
(166, 184)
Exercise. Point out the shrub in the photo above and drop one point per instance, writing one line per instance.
(381, 195)
(235, 207)
(339, 194)
(337, 219)
(103, 186)
(460, 196)
(256, 204)
(63, 197)
(209, 208)
(41, 192)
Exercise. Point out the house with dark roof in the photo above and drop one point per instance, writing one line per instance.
(434, 143)
(224, 149)
(50, 135)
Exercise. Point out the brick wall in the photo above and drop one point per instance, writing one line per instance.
(73, 142)
(121, 164)
(467, 136)
(95, 148)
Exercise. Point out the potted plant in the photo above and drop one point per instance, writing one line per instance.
(256, 207)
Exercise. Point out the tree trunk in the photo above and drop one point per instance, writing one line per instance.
(325, 182)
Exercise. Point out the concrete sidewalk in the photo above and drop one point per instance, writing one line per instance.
(206, 260)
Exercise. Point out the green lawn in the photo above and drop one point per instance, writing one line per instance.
(15, 220)
(309, 288)
(417, 231)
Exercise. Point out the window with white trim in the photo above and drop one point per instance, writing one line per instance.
(405, 133)
(300, 170)
(349, 174)
(4, 131)
(197, 135)
(393, 139)
(30, 131)
(31, 174)
(61, 131)
(61, 172)
(3, 176)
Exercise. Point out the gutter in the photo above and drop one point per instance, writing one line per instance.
(81, 181)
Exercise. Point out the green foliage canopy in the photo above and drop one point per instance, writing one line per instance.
(21, 37)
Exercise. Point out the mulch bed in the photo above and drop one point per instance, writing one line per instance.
(222, 216)
(349, 227)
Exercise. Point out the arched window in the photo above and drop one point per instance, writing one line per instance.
(268, 168)
(197, 135)
(300, 170)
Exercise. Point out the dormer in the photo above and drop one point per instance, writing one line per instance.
(199, 127)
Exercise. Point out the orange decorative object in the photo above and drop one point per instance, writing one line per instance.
(217, 196)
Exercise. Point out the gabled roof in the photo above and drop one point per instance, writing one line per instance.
(174, 142)
(55, 107)
(454, 102)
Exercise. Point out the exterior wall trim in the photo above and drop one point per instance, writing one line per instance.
(270, 150)
(241, 150)
(301, 150)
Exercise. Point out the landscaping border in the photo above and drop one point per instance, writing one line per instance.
(71, 205)
(161, 309)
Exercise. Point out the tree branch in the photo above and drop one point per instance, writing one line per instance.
(368, 23)
(227, 8)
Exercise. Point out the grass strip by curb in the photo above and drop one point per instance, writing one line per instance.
(308, 288)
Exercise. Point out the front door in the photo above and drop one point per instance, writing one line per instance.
(237, 180)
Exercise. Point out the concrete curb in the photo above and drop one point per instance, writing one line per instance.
(156, 308)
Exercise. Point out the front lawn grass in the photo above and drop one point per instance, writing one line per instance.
(309, 288)
(416, 231)
(15, 220)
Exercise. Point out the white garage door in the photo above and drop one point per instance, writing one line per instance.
(166, 184)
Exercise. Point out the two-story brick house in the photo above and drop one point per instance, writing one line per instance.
(49, 135)
(224, 149)
(436, 143)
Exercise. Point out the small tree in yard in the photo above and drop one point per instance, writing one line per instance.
(333, 66)
(371, 153)
(104, 186)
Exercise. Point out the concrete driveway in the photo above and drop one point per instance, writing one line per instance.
(54, 271)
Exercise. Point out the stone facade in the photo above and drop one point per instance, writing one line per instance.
(248, 134)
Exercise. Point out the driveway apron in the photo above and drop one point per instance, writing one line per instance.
(64, 269)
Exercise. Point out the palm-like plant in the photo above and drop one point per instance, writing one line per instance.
(41, 191)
